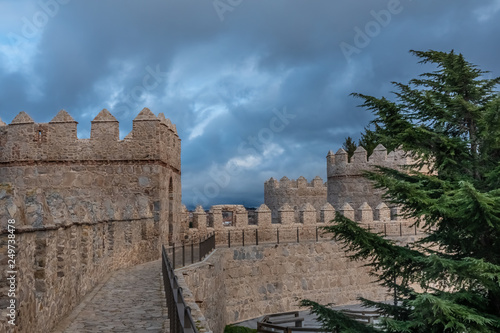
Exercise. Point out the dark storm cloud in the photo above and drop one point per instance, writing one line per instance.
(229, 76)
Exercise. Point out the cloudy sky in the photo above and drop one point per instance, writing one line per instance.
(257, 89)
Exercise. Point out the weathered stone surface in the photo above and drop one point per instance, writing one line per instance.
(146, 114)
(327, 212)
(295, 193)
(105, 127)
(131, 300)
(359, 155)
(83, 208)
(200, 219)
(341, 156)
(256, 280)
(63, 117)
(379, 154)
(22, 118)
(307, 214)
(286, 214)
(287, 230)
(264, 218)
(347, 211)
(104, 116)
(238, 213)
(383, 212)
(365, 213)
(346, 183)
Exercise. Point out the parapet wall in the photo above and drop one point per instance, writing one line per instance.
(153, 139)
(295, 193)
(287, 228)
(242, 283)
(83, 207)
(346, 183)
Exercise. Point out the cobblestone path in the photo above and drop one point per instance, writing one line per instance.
(132, 300)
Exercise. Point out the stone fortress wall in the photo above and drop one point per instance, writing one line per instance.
(85, 207)
(299, 207)
(242, 283)
(286, 228)
(294, 193)
(283, 261)
(345, 185)
(82, 207)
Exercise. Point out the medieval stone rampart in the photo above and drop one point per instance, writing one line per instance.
(295, 193)
(286, 256)
(346, 183)
(242, 283)
(83, 207)
(381, 218)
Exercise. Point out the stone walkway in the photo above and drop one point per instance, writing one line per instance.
(131, 300)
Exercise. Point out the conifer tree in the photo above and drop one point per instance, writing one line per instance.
(449, 121)
(368, 141)
(349, 146)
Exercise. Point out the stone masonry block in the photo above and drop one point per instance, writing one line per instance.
(383, 212)
(307, 214)
(347, 211)
(327, 212)
(263, 216)
(286, 214)
(365, 213)
(200, 219)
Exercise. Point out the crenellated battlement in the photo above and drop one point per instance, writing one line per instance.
(85, 207)
(339, 166)
(294, 192)
(346, 183)
(152, 138)
(233, 219)
(300, 182)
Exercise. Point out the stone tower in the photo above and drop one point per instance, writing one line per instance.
(295, 193)
(346, 183)
(84, 207)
